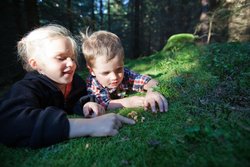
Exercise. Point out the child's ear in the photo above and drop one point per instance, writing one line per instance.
(91, 70)
(33, 63)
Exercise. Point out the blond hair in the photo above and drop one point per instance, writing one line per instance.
(101, 43)
(30, 45)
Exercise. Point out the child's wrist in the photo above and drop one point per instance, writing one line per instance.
(150, 90)
(153, 89)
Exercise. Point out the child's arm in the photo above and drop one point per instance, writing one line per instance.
(25, 122)
(127, 102)
(150, 100)
(153, 98)
(105, 125)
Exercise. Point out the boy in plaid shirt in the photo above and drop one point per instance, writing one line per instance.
(110, 81)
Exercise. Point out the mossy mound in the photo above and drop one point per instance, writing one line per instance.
(179, 40)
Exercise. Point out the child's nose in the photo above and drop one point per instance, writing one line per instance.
(114, 76)
(69, 62)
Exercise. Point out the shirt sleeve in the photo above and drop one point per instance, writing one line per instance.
(136, 81)
(101, 94)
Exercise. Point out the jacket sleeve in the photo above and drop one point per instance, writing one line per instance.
(26, 122)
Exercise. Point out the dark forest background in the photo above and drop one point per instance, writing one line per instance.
(143, 25)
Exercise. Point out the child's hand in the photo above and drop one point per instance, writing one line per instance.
(108, 124)
(154, 98)
(134, 101)
(104, 125)
(92, 109)
(127, 102)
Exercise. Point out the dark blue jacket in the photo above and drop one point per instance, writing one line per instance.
(34, 112)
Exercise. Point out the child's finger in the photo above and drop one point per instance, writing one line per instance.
(125, 120)
(113, 132)
(152, 105)
(161, 105)
(161, 102)
(87, 112)
(146, 105)
(91, 112)
(98, 110)
(164, 104)
(118, 124)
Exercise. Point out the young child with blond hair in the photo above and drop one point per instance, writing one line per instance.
(109, 80)
(33, 113)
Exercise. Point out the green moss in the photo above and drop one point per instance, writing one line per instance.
(179, 40)
(207, 123)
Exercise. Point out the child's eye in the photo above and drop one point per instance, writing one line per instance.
(61, 58)
(64, 58)
(105, 73)
(119, 70)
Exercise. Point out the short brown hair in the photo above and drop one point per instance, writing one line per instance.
(101, 43)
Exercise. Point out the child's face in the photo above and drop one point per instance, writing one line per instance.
(108, 73)
(57, 60)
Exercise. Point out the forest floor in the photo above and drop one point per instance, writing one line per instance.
(208, 122)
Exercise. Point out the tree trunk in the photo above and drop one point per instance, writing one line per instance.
(204, 19)
(32, 14)
(239, 24)
(109, 21)
(136, 47)
(203, 27)
(93, 10)
(11, 30)
(101, 14)
(69, 15)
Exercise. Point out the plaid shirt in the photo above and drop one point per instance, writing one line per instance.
(131, 82)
